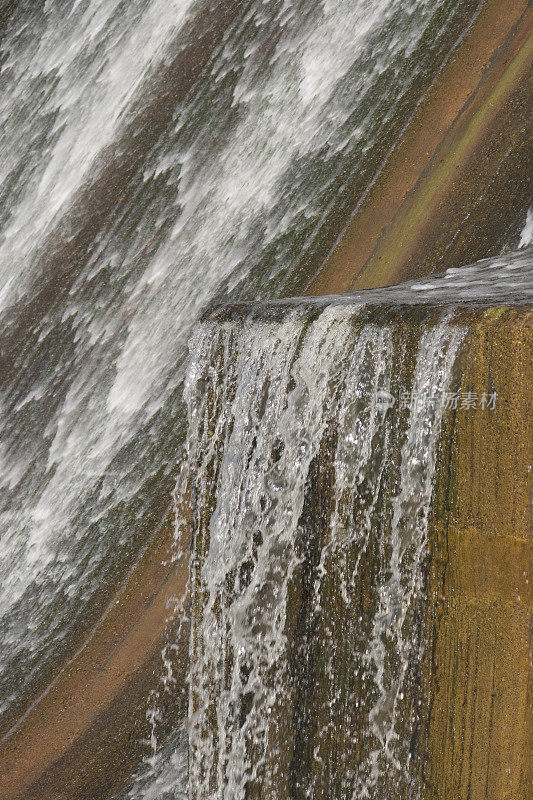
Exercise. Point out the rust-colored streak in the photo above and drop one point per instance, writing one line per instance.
(392, 235)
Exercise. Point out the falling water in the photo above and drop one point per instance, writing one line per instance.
(312, 481)
(155, 155)
(313, 440)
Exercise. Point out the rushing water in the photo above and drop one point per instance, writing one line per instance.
(155, 155)
(310, 514)
(313, 438)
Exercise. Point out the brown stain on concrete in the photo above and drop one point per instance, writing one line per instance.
(479, 743)
(455, 147)
(470, 739)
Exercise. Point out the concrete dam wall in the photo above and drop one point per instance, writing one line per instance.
(359, 476)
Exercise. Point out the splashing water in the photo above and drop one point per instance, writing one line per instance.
(151, 174)
(311, 486)
(526, 235)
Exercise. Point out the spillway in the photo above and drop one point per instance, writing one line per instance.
(171, 152)
(159, 156)
(319, 483)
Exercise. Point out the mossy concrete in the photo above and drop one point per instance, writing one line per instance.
(478, 740)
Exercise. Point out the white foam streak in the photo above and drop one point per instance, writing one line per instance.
(78, 79)
(526, 236)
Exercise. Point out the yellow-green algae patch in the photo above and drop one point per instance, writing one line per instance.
(478, 666)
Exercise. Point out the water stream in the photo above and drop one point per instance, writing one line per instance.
(312, 445)
(155, 155)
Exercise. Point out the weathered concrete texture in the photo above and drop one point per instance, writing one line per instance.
(479, 744)
(61, 747)
(472, 740)
(460, 729)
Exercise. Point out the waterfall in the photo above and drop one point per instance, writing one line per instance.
(158, 156)
(312, 445)
(312, 448)
(171, 152)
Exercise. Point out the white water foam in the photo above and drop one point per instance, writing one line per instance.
(260, 396)
(66, 81)
(526, 236)
(208, 205)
